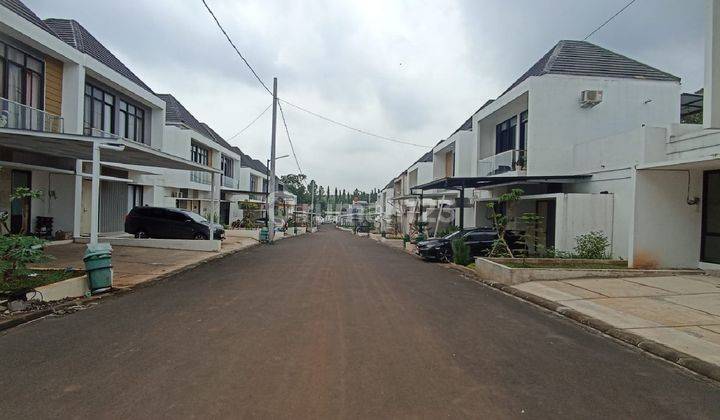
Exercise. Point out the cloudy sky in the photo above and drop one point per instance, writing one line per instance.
(412, 70)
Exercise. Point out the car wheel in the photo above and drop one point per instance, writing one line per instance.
(200, 236)
(141, 234)
(444, 256)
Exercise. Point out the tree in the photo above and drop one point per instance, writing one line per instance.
(25, 194)
(500, 220)
(294, 184)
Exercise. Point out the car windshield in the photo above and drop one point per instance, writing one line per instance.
(196, 217)
(453, 235)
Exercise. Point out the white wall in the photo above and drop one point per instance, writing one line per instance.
(61, 207)
(578, 214)
(665, 229)
(557, 122)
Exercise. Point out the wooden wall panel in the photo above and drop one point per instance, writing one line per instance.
(53, 85)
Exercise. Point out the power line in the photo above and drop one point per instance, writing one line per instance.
(251, 123)
(608, 21)
(287, 132)
(330, 120)
(367, 133)
(236, 48)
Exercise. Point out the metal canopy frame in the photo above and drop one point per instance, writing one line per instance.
(461, 183)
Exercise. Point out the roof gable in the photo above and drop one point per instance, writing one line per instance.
(582, 58)
(75, 35)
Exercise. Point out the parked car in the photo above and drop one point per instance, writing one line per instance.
(170, 223)
(479, 240)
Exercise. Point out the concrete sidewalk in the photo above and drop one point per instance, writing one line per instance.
(681, 312)
(134, 265)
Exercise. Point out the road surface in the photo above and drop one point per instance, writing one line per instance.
(331, 326)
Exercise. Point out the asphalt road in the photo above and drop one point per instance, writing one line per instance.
(331, 326)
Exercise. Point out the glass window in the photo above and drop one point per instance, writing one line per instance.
(99, 110)
(523, 130)
(199, 154)
(15, 56)
(14, 82)
(34, 65)
(122, 118)
(505, 135)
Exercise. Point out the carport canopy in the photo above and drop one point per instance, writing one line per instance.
(461, 183)
(458, 183)
(81, 147)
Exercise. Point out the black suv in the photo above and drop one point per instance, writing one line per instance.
(479, 240)
(169, 223)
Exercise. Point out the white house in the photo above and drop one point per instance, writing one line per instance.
(573, 133)
(64, 96)
(66, 99)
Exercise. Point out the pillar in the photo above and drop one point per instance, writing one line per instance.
(711, 97)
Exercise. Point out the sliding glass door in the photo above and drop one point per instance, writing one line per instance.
(710, 249)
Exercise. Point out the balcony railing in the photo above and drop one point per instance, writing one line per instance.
(508, 161)
(96, 132)
(22, 117)
(201, 177)
(229, 182)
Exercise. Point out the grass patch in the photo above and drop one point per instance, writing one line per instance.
(36, 278)
(585, 266)
(471, 266)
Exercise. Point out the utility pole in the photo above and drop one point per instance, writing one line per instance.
(271, 184)
(312, 205)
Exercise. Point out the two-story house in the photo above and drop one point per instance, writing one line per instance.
(579, 103)
(72, 117)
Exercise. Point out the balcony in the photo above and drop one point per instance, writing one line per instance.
(96, 132)
(22, 117)
(508, 161)
(231, 183)
(200, 177)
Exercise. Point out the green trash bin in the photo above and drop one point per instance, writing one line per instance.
(98, 266)
(264, 234)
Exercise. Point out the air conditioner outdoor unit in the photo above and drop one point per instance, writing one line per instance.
(590, 98)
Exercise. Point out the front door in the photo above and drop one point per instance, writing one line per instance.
(19, 179)
(86, 204)
(710, 247)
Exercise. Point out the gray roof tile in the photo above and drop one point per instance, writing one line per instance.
(582, 58)
(21, 10)
(75, 35)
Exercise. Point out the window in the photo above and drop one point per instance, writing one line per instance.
(253, 182)
(21, 81)
(131, 122)
(523, 130)
(136, 195)
(199, 154)
(226, 165)
(99, 115)
(505, 135)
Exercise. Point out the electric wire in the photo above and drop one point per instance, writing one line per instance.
(608, 21)
(251, 123)
(327, 119)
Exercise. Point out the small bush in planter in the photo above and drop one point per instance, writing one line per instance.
(461, 252)
(592, 245)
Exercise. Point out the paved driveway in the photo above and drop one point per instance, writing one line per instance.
(331, 326)
(682, 312)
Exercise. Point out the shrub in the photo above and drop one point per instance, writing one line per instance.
(16, 252)
(461, 252)
(446, 231)
(592, 245)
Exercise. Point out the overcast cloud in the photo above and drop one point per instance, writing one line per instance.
(412, 70)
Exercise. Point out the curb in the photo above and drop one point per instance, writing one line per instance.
(116, 292)
(701, 367)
